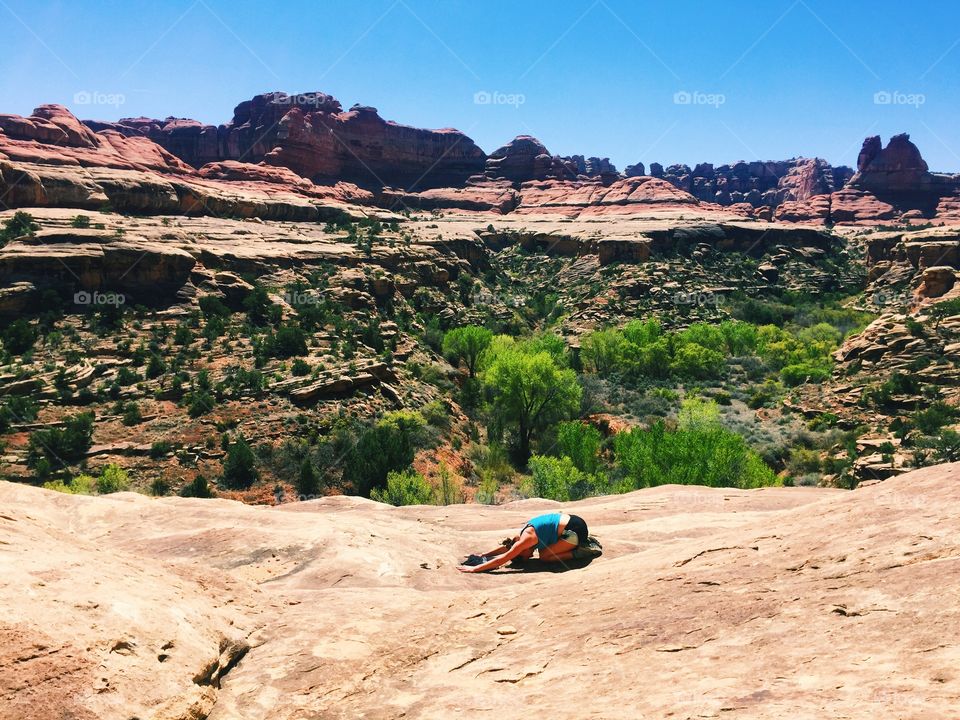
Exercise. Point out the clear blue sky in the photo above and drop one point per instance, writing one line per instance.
(765, 80)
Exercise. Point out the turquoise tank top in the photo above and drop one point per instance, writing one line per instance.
(546, 527)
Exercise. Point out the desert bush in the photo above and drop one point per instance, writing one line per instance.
(405, 488)
(112, 478)
(197, 488)
(132, 414)
(239, 469)
(560, 479)
(389, 445)
(930, 420)
(159, 487)
(19, 337)
(709, 456)
(581, 443)
(19, 224)
(53, 448)
(17, 409)
(160, 448)
(449, 488)
(308, 481)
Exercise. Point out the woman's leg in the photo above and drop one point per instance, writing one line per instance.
(560, 551)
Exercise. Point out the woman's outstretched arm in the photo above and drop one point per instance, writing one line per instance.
(528, 540)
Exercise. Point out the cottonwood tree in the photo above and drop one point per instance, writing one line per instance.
(531, 389)
(465, 344)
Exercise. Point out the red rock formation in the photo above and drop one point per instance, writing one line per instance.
(899, 174)
(524, 159)
(593, 197)
(53, 136)
(757, 183)
(311, 135)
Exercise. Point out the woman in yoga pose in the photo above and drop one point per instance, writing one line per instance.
(556, 537)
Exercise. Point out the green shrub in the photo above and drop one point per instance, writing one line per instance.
(197, 488)
(801, 373)
(405, 488)
(933, 418)
(389, 445)
(19, 224)
(300, 368)
(79, 485)
(17, 409)
(211, 306)
(80, 221)
(159, 487)
(713, 456)
(19, 337)
(259, 308)
(696, 362)
(132, 414)
(289, 340)
(239, 470)
(112, 478)
(559, 479)
(581, 443)
(308, 481)
(160, 448)
(53, 448)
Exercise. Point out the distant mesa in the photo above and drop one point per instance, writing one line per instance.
(308, 145)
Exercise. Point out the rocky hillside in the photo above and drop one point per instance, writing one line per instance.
(169, 289)
(706, 603)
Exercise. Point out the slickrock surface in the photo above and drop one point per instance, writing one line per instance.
(772, 603)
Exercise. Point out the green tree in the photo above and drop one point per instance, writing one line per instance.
(941, 311)
(288, 341)
(239, 470)
(465, 344)
(694, 361)
(531, 390)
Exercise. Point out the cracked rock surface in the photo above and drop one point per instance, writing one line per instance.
(772, 603)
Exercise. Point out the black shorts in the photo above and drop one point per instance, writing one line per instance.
(579, 526)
